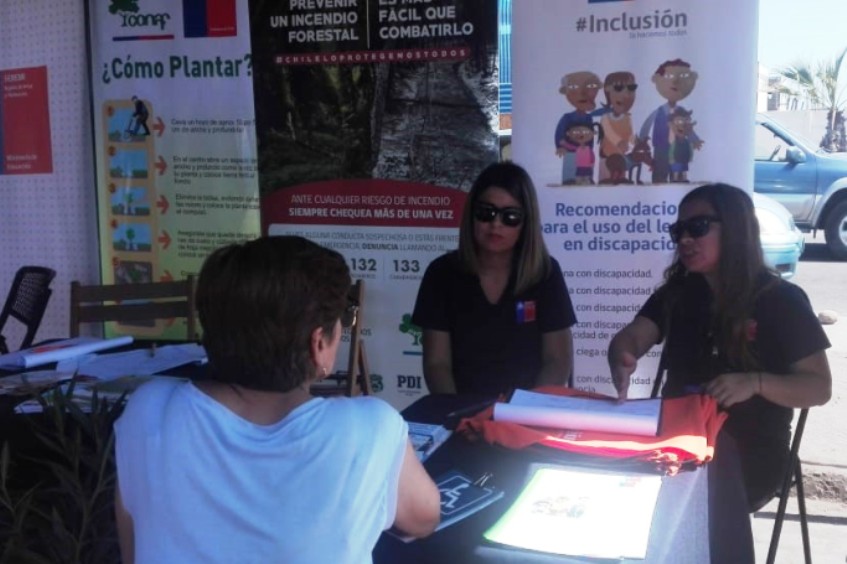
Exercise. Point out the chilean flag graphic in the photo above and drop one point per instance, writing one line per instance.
(209, 18)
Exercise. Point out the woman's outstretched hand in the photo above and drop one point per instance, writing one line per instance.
(734, 387)
(622, 369)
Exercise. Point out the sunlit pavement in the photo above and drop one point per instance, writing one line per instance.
(823, 449)
(827, 529)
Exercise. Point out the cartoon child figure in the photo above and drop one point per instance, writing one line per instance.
(580, 142)
(580, 90)
(681, 150)
(674, 81)
(618, 137)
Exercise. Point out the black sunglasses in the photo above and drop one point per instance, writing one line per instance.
(620, 87)
(486, 213)
(696, 227)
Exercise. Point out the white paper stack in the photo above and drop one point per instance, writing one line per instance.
(59, 350)
(634, 417)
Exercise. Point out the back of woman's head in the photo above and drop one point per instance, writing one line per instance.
(531, 258)
(259, 303)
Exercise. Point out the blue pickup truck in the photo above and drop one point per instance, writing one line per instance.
(808, 181)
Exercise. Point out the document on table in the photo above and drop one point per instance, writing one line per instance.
(142, 362)
(461, 497)
(581, 513)
(426, 438)
(633, 417)
(59, 350)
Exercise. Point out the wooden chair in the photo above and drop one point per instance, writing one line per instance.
(27, 301)
(356, 379)
(134, 302)
(793, 477)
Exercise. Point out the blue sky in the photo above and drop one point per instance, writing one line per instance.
(801, 30)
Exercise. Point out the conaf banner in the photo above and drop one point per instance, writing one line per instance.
(174, 138)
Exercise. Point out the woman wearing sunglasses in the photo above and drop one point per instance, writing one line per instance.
(732, 329)
(247, 466)
(496, 314)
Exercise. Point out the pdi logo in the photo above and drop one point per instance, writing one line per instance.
(408, 382)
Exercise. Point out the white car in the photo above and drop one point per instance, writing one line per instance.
(782, 241)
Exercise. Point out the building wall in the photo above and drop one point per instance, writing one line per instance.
(809, 124)
(50, 219)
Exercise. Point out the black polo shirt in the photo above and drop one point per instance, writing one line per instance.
(782, 329)
(495, 347)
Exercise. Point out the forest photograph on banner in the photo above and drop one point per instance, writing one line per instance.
(373, 118)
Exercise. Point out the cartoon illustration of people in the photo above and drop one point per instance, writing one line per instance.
(674, 81)
(579, 140)
(681, 149)
(580, 89)
(618, 137)
(636, 159)
(140, 114)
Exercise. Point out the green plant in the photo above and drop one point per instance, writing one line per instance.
(57, 502)
(824, 86)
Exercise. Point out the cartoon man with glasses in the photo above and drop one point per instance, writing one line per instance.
(674, 81)
(618, 137)
(580, 90)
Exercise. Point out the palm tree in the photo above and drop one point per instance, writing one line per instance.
(824, 86)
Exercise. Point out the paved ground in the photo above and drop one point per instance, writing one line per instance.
(824, 446)
(827, 530)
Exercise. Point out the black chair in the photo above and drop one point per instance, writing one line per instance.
(793, 477)
(27, 301)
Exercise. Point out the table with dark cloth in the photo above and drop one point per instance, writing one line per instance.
(700, 515)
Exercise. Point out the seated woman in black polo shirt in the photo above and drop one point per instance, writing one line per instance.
(496, 314)
(734, 330)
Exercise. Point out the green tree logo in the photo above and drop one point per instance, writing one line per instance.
(124, 6)
(411, 329)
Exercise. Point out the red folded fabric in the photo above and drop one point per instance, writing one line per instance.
(689, 429)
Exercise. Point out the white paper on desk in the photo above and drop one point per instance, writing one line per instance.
(60, 350)
(140, 362)
(581, 513)
(634, 417)
(426, 438)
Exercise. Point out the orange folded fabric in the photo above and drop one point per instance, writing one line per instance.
(689, 429)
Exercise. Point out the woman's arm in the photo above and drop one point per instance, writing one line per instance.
(626, 347)
(418, 499)
(808, 383)
(126, 534)
(556, 358)
(438, 362)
